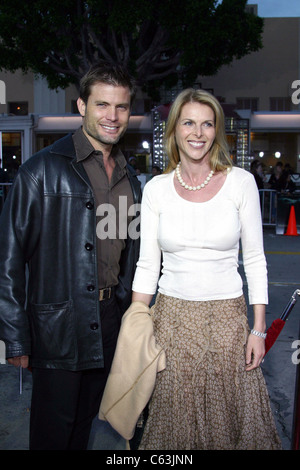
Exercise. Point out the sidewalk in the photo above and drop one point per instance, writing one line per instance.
(283, 257)
(15, 415)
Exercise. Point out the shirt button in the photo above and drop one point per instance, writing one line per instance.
(91, 288)
(94, 326)
(88, 247)
(89, 205)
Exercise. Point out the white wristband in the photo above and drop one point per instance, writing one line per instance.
(258, 333)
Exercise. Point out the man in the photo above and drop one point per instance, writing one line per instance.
(63, 318)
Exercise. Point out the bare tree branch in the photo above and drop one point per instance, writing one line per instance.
(115, 46)
(99, 46)
(154, 49)
(126, 48)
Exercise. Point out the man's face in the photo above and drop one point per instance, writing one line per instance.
(105, 115)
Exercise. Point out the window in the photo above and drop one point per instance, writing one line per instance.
(247, 103)
(280, 104)
(18, 108)
(11, 152)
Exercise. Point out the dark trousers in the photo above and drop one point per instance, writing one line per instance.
(64, 403)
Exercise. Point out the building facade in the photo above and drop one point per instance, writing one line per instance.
(264, 88)
(32, 116)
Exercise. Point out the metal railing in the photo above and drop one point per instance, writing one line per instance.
(268, 203)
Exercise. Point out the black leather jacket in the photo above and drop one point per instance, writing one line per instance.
(48, 271)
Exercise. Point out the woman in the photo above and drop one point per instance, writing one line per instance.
(212, 394)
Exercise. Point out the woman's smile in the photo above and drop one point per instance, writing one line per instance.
(195, 131)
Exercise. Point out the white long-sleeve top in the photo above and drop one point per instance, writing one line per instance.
(200, 241)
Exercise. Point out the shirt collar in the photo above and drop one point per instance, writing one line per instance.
(84, 149)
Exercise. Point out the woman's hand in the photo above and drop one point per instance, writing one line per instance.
(255, 352)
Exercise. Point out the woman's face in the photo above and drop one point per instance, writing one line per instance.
(195, 131)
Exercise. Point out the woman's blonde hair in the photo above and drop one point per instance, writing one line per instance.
(219, 153)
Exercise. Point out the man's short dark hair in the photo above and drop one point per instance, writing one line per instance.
(111, 74)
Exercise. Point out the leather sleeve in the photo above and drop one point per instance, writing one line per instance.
(19, 234)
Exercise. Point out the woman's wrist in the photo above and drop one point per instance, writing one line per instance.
(258, 333)
(261, 327)
(259, 323)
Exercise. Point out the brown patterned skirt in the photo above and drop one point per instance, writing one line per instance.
(205, 399)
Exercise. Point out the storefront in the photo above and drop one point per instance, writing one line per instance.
(15, 142)
(22, 136)
(275, 136)
(267, 136)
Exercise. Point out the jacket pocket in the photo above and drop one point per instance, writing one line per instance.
(53, 331)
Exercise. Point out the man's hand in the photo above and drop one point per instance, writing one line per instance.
(19, 361)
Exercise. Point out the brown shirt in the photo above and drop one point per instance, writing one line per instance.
(113, 200)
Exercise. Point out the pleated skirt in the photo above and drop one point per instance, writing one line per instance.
(204, 399)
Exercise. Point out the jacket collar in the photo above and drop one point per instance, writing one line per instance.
(64, 146)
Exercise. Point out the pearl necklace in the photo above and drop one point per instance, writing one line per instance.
(187, 186)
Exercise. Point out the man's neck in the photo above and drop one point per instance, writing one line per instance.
(104, 148)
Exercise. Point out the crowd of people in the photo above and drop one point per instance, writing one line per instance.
(280, 179)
